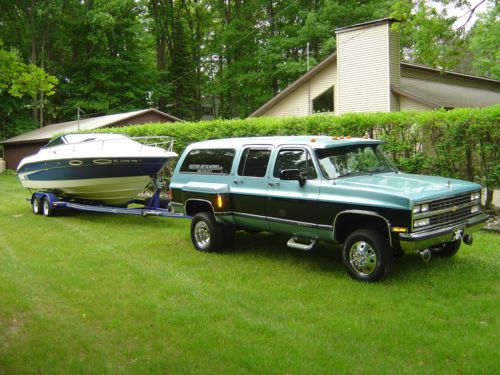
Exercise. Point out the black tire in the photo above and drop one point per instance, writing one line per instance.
(367, 256)
(206, 234)
(47, 209)
(447, 249)
(36, 205)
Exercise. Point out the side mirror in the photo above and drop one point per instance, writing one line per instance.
(292, 174)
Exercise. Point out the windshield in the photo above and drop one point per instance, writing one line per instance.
(353, 160)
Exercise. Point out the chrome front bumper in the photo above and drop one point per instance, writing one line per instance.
(424, 240)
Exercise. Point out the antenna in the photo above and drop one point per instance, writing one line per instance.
(78, 110)
(149, 99)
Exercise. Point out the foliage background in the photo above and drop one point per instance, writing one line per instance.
(106, 55)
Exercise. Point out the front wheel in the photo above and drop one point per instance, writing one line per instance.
(367, 256)
(207, 235)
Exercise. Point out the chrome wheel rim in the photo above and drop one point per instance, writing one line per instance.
(202, 234)
(36, 206)
(363, 258)
(46, 207)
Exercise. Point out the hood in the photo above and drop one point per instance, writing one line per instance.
(412, 186)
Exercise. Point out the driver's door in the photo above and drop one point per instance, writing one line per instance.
(290, 207)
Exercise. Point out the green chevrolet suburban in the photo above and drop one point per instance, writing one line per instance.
(316, 188)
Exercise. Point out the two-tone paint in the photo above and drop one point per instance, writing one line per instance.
(321, 209)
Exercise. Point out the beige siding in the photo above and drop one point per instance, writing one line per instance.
(363, 69)
(395, 67)
(297, 103)
(407, 104)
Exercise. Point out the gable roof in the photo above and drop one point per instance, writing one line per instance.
(442, 97)
(47, 132)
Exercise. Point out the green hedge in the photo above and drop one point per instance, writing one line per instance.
(461, 143)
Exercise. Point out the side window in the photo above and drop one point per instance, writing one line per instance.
(208, 161)
(253, 162)
(295, 159)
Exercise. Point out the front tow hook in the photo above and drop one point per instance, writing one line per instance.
(425, 255)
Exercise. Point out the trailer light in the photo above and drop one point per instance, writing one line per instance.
(219, 201)
(421, 222)
(475, 209)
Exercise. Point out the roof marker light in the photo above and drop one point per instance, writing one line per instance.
(342, 137)
(313, 139)
(348, 137)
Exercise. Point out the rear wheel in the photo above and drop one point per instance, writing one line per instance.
(206, 234)
(36, 205)
(367, 256)
(447, 249)
(47, 209)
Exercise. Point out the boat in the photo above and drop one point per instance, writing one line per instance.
(104, 168)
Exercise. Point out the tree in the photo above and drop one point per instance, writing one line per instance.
(17, 82)
(484, 44)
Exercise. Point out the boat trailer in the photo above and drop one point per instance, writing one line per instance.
(47, 204)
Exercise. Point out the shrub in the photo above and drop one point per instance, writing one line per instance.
(462, 143)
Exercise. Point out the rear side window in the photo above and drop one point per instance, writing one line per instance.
(254, 162)
(208, 161)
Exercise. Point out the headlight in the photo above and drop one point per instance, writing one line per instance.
(420, 208)
(421, 222)
(476, 195)
(475, 209)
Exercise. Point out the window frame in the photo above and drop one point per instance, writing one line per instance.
(230, 166)
(255, 148)
(309, 152)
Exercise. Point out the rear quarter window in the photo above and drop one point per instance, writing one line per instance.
(208, 161)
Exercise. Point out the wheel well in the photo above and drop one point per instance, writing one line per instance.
(348, 223)
(196, 206)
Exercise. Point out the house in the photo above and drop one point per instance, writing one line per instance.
(366, 74)
(30, 143)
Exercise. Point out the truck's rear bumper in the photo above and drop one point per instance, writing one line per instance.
(426, 239)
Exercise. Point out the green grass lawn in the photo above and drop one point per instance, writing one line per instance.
(102, 293)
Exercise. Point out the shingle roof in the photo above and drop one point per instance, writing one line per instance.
(439, 94)
(47, 132)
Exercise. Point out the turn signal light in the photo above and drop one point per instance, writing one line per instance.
(219, 201)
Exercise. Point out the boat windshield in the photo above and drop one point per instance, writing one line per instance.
(55, 142)
(353, 160)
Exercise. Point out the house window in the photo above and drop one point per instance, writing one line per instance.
(323, 102)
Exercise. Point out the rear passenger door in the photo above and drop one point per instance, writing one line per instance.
(291, 206)
(249, 187)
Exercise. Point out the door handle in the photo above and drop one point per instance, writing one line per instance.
(273, 183)
(237, 182)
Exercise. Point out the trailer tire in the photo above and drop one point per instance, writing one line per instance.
(206, 234)
(36, 205)
(47, 209)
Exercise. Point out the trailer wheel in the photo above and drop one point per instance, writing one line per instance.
(367, 256)
(207, 235)
(36, 205)
(47, 209)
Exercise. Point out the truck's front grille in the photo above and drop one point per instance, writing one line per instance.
(447, 211)
(439, 204)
